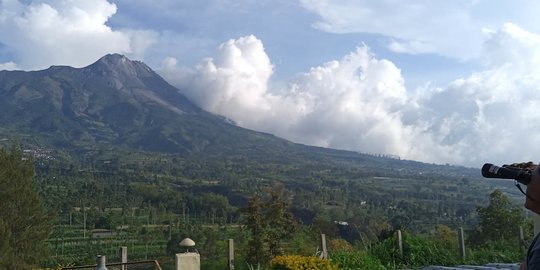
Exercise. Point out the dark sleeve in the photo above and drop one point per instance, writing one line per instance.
(533, 260)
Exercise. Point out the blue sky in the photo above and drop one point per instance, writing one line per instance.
(425, 80)
(286, 28)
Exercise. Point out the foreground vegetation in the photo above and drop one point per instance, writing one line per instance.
(418, 251)
(269, 210)
(300, 245)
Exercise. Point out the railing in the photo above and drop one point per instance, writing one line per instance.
(140, 265)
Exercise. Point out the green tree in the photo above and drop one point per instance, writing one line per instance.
(256, 224)
(500, 220)
(269, 222)
(24, 222)
(280, 221)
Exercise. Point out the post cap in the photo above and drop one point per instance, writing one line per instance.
(187, 243)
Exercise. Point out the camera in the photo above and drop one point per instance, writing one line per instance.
(521, 175)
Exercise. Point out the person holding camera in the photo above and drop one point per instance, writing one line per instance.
(532, 202)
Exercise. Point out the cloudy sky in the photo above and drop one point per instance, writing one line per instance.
(436, 81)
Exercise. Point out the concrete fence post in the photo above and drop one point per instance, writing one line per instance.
(231, 255)
(324, 251)
(400, 242)
(100, 263)
(123, 256)
(462, 242)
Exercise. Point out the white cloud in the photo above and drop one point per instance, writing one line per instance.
(450, 28)
(413, 26)
(492, 114)
(8, 66)
(140, 41)
(512, 45)
(360, 102)
(411, 47)
(64, 32)
(233, 84)
(350, 104)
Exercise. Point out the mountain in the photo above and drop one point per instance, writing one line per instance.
(120, 105)
(113, 102)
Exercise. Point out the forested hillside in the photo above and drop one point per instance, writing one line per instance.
(148, 201)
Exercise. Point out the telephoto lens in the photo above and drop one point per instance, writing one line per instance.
(523, 176)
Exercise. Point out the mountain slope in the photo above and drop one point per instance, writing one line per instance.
(114, 101)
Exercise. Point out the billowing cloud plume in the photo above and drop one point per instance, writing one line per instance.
(64, 32)
(360, 102)
(241, 72)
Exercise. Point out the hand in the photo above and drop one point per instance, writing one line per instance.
(525, 165)
(532, 202)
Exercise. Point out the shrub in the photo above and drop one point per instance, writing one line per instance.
(296, 262)
(339, 244)
(503, 251)
(417, 251)
(355, 261)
